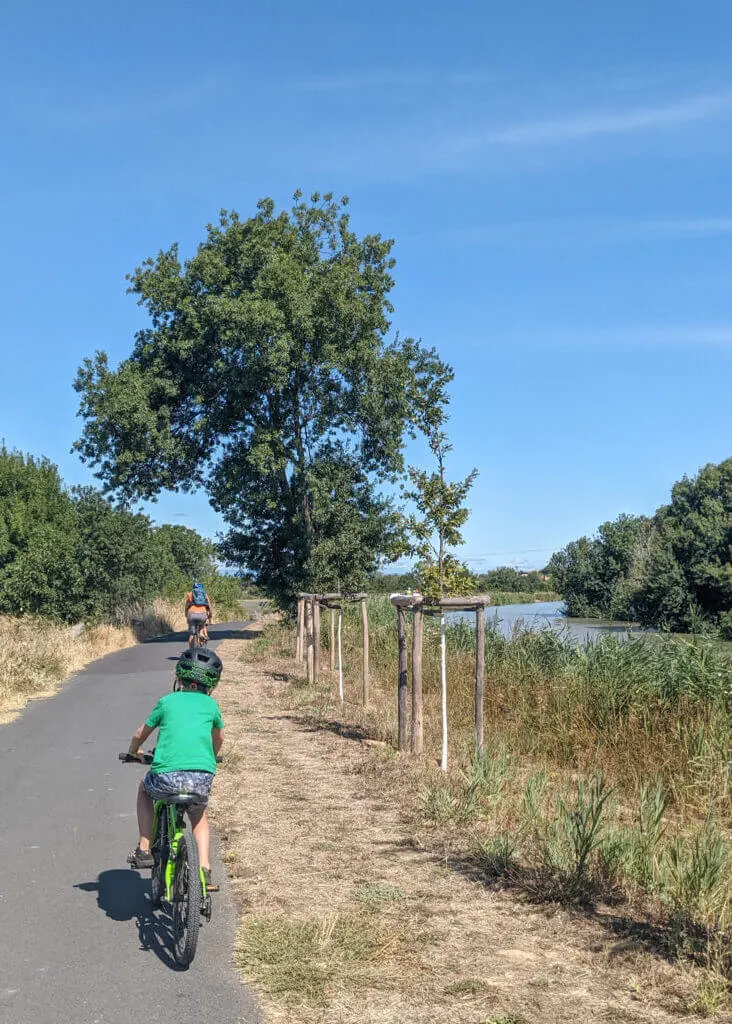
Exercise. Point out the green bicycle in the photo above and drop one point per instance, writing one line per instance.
(177, 878)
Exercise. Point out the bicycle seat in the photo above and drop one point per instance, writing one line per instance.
(187, 799)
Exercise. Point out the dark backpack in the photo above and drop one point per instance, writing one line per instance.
(199, 594)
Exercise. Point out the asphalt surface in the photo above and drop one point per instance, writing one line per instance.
(78, 939)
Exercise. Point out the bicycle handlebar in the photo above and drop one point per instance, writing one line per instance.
(148, 758)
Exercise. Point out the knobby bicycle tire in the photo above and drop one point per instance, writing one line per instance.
(160, 856)
(186, 900)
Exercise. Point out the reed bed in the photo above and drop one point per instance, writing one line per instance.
(606, 774)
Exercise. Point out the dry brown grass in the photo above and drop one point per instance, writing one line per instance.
(353, 912)
(45, 654)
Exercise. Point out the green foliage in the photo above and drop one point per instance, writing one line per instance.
(596, 576)
(453, 577)
(696, 885)
(673, 571)
(689, 579)
(440, 513)
(122, 559)
(266, 377)
(74, 555)
(194, 556)
(506, 578)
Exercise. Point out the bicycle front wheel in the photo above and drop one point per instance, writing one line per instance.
(186, 900)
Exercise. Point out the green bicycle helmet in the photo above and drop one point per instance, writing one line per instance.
(197, 665)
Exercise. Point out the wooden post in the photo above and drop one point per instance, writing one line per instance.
(479, 676)
(309, 636)
(402, 690)
(316, 639)
(365, 624)
(417, 724)
(300, 628)
(332, 639)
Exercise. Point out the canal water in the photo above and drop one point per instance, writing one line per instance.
(508, 617)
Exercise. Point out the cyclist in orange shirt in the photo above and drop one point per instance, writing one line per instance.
(198, 609)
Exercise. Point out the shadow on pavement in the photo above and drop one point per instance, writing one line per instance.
(230, 633)
(124, 895)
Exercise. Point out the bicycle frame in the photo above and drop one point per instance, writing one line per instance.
(176, 824)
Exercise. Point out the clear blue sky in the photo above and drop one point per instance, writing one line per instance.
(556, 175)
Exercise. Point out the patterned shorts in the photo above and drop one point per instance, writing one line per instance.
(161, 785)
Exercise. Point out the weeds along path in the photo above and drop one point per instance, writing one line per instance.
(347, 917)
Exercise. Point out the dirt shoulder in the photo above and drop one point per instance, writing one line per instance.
(350, 913)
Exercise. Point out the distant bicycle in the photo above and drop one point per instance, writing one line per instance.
(198, 638)
(177, 878)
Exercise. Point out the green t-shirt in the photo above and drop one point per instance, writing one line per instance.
(185, 719)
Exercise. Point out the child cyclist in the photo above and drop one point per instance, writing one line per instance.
(190, 736)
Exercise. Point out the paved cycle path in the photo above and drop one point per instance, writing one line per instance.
(78, 940)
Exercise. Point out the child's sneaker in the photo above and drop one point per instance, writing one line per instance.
(210, 884)
(141, 859)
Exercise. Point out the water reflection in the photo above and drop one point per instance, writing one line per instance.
(546, 613)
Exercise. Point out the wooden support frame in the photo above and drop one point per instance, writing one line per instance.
(418, 607)
(309, 647)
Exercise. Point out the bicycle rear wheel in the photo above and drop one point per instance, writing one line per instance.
(186, 900)
(160, 854)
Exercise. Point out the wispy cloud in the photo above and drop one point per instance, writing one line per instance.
(555, 131)
(463, 148)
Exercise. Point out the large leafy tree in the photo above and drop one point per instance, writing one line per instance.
(193, 555)
(72, 555)
(673, 571)
(38, 566)
(266, 377)
(123, 561)
(689, 577)
(599, 576)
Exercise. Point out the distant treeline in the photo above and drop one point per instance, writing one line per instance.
(72, 555)
(672, 570)
(505, 579)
